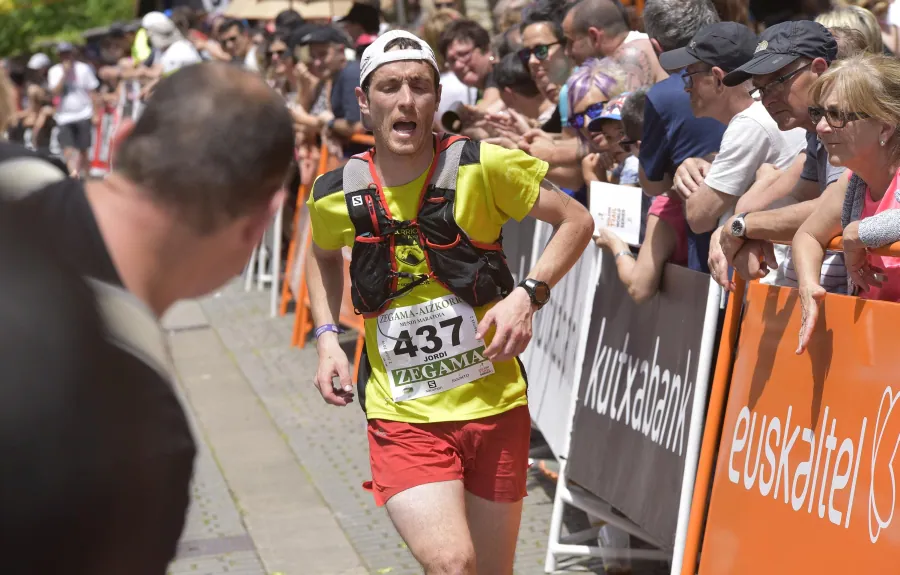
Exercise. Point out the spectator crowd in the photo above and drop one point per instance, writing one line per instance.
(755, 142)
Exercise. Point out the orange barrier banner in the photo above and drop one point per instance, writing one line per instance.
(805, 480)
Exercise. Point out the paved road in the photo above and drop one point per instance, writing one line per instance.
(278, 479)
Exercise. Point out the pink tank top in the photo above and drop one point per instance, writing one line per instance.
(890, 288)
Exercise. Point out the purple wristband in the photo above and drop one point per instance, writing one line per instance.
(325, 328)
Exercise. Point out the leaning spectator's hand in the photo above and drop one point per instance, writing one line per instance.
(509, 120)
(689, 176)
(594, 166)
(718, 262)
(856, 256)
(729, 243)
(754, 260)
(503, 142)
(810, 296)
(536, 143)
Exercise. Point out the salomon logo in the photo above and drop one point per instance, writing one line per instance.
(356, 201)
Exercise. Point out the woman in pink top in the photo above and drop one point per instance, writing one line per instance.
(856, 107)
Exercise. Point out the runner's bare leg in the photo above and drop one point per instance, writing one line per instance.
(494, 529)
(431, 519)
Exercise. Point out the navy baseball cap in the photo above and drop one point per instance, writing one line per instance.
(726, 45)
(784, 43)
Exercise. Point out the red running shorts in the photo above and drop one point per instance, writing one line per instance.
(489, 455)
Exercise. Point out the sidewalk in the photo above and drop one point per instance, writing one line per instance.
(277, 488)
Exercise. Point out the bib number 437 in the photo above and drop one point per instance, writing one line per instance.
(431, 347)
(434, 340)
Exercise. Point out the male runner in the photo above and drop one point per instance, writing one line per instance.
(440, 383)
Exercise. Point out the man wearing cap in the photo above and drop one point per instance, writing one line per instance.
(328, 62)
(444, 394)
(74, 84)
(787, 61)
(751, 138)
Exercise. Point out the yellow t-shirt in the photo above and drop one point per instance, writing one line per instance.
(503, 184)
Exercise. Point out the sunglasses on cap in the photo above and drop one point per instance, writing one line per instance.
(592, 112)
(541, 51)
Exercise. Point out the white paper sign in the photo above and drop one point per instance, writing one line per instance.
(617, 208)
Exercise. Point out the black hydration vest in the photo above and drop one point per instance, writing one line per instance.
(475, 272)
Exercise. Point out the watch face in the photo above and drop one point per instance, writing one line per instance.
(541, 292)
(737, 228)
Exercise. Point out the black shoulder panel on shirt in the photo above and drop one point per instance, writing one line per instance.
(471, 153)
(329, 183)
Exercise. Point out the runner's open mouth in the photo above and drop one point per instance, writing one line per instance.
(405, 127)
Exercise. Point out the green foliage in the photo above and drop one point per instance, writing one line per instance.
(26, 23)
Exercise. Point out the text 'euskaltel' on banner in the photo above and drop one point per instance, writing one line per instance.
(804, 478)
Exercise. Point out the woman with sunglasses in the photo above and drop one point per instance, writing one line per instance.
(279, 66)
(856, 108)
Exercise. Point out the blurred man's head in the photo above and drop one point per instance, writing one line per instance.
(211, 151)
(672, 23)
(234, 38)
(715, 51)
(399, 92)
(789, 58)
(589, 26)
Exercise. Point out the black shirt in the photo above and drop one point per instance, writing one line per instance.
(554, 124)
(144, 448)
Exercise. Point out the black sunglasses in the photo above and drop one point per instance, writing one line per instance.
(836, 118)
(279, 53)
(541, 51)
(593, 112)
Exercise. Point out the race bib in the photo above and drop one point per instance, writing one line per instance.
(430, 347)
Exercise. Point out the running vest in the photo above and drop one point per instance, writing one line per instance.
(475, 272)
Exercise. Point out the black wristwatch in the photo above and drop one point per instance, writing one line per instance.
(538, 291)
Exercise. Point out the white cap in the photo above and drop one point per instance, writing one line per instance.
(374, 56)
(38, 61)
(161, 31)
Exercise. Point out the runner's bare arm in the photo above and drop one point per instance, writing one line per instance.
(573, 226)
(512, 316)
(325, 281)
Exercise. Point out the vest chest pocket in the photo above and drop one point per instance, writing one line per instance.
(371, 261)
